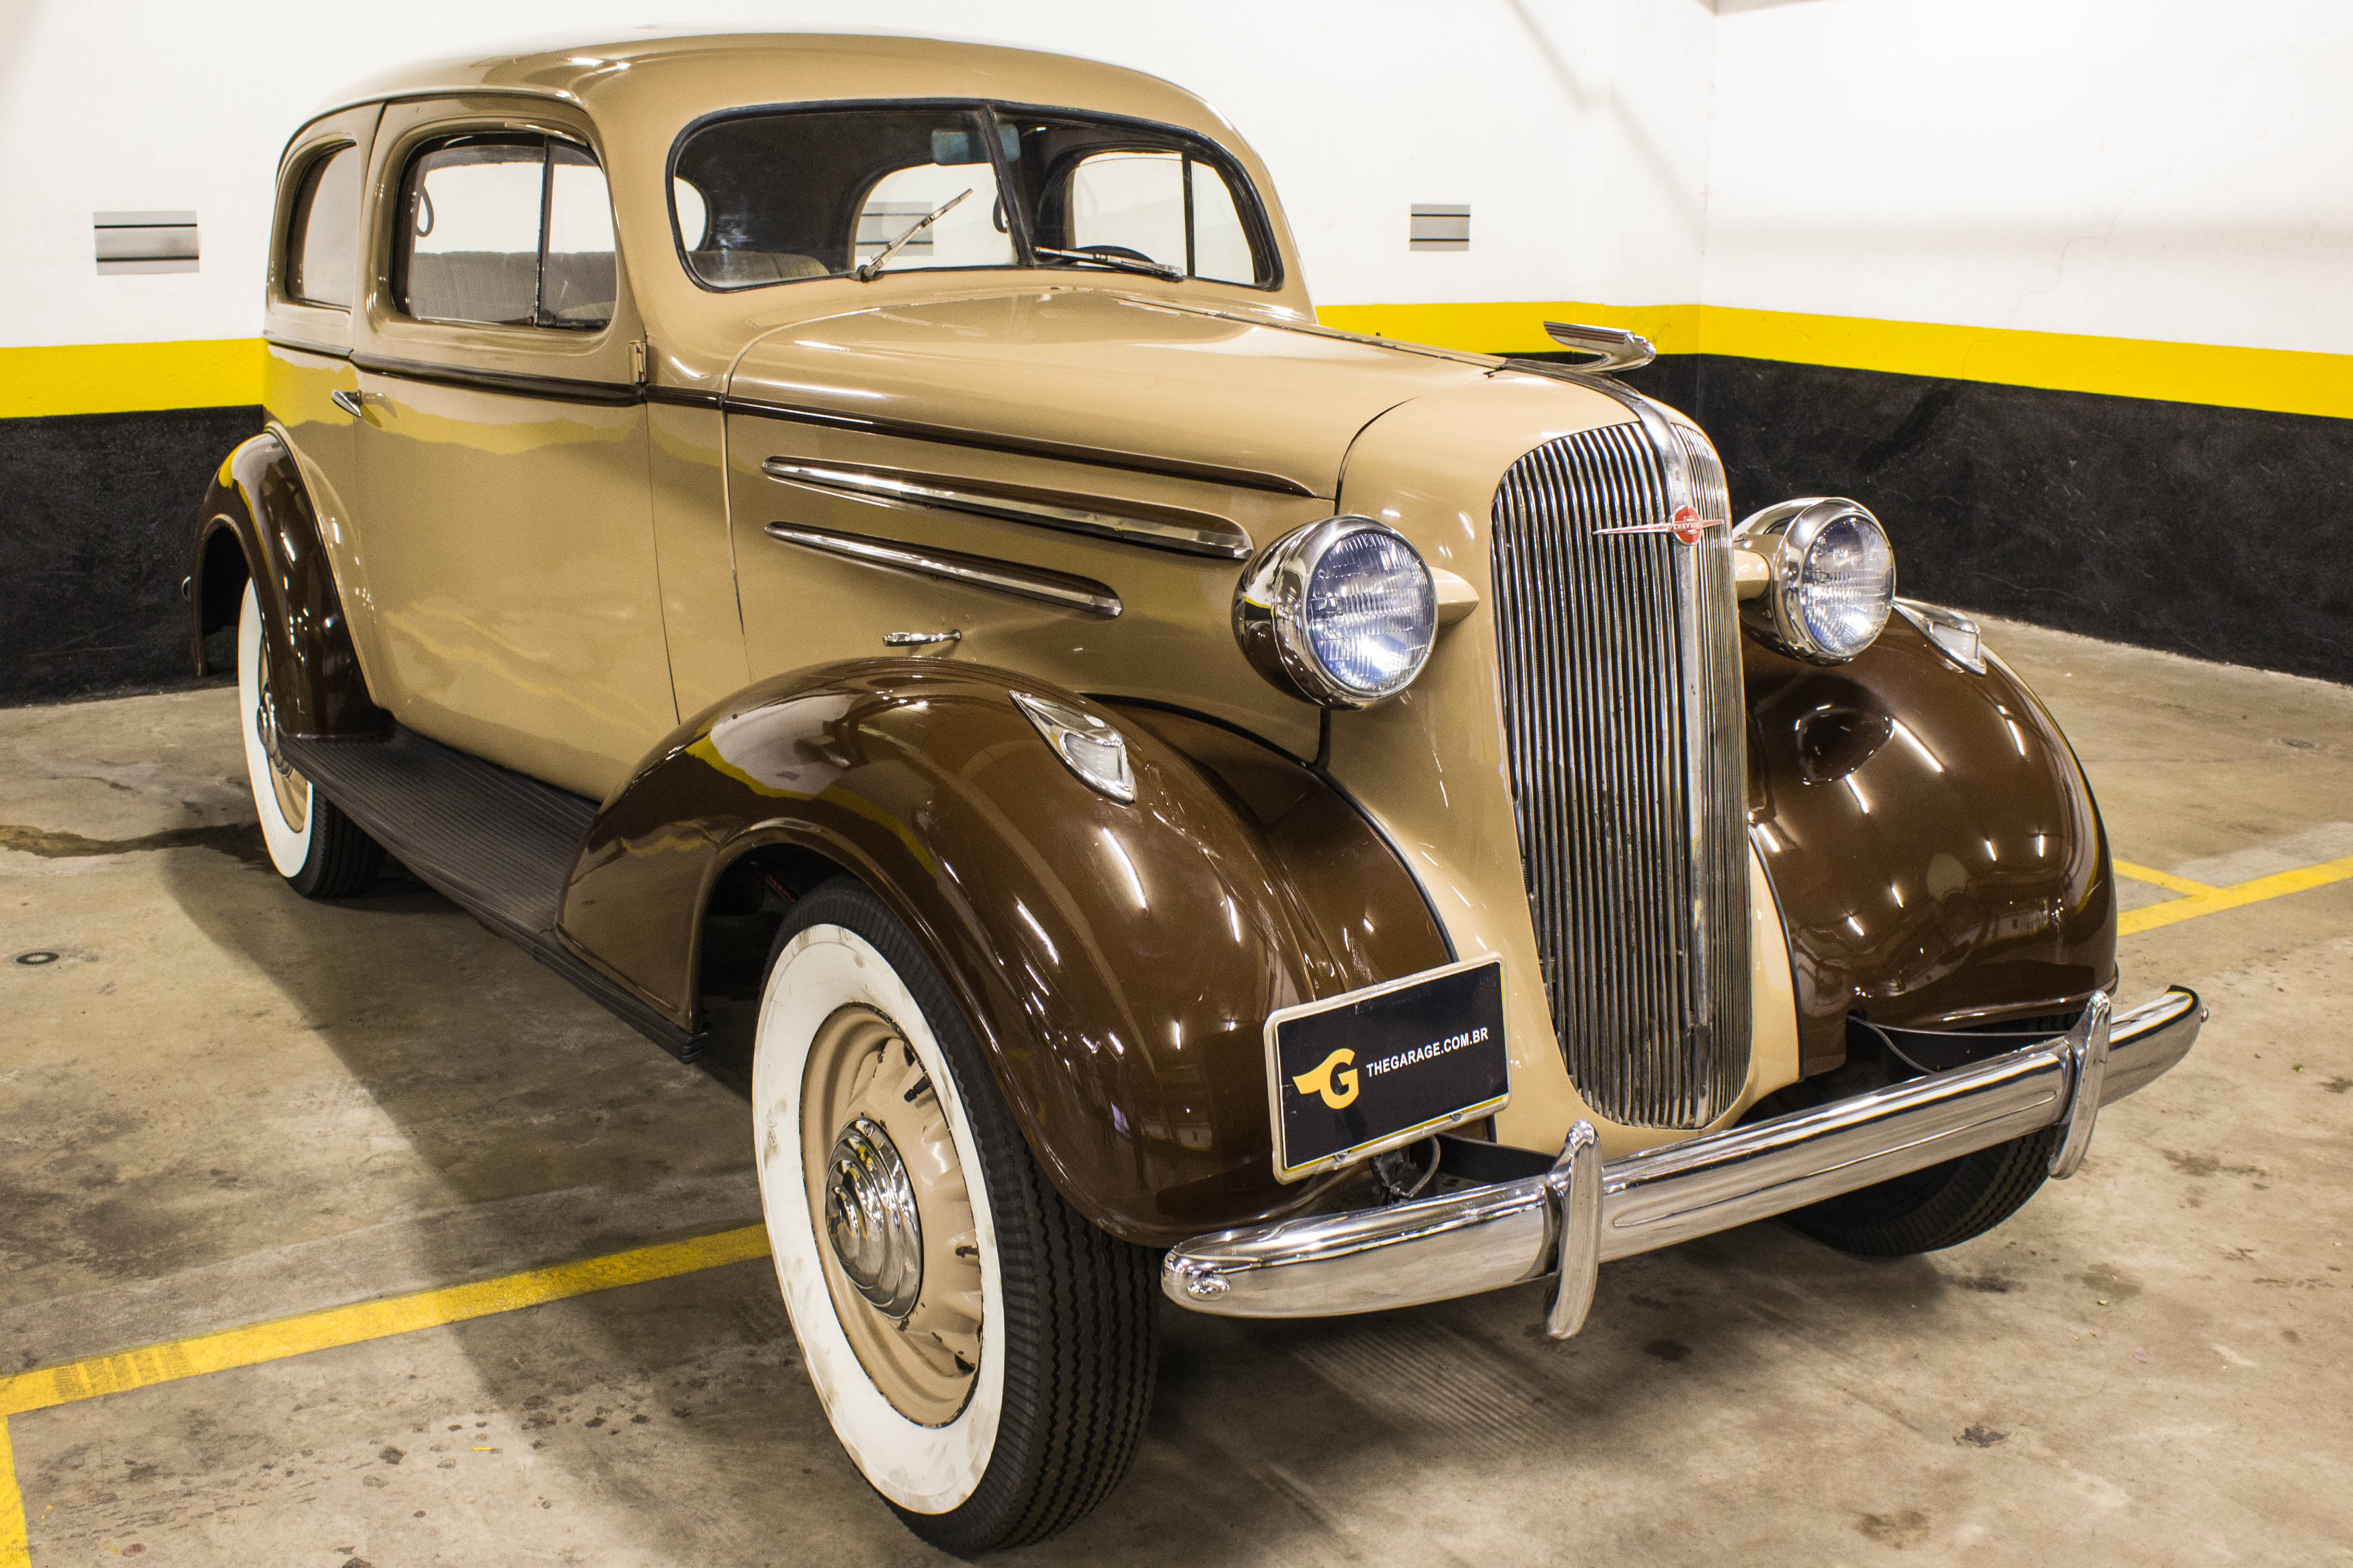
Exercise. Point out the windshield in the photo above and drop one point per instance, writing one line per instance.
(777, 197)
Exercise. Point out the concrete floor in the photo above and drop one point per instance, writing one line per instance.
(222, 1105)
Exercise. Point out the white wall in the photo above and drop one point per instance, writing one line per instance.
(2179, 170)
(1575, 128)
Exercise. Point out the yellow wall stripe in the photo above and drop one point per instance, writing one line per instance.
(349, 1325)
(2212, 901)
(2277, 380)
(112, 378)
(126, 378)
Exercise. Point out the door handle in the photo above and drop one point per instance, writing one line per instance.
(352, 403)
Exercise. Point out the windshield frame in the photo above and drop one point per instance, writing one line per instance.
(1249, 204)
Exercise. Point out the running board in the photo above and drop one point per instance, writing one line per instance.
(496, 843)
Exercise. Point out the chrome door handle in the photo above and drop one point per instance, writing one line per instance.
(352, 403)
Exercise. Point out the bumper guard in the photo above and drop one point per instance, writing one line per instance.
(1567, 1222)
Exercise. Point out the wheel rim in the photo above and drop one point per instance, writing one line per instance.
(897, 1242)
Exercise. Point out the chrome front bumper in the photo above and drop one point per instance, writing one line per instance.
(1567, 1222)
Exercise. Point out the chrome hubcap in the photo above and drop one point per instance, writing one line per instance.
(870, 1218)
(292, 788)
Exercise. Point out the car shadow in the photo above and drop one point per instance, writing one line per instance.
(545, 1130)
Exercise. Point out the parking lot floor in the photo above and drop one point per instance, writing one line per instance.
(220, 1105)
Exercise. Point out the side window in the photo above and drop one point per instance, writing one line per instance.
(505, 230)
(322, 236)
(575, 278)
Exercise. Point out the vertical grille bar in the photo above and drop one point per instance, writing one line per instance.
(1620, 658)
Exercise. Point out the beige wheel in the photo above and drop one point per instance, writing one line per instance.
(903, 1258)
(984, 1353)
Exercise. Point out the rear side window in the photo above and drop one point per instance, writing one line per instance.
(322, 238)
(510, 230)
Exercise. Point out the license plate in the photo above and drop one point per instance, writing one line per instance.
(1353, 1075)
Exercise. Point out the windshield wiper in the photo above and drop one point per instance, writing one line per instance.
(868, 268)
(1120, 263)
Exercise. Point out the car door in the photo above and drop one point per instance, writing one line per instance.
(504, 504)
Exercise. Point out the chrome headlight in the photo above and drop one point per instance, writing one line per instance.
(1342, 612)
(1830, 577)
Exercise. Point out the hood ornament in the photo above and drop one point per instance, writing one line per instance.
(1613, 349)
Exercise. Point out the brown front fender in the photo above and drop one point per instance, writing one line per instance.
(1117, 961)
(259, 523)
(1936, 853)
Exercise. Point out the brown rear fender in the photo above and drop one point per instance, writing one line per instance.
(1938, 854)
(1117, 961)
(259, 524)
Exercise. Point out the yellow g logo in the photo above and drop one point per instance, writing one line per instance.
(1332, 1079)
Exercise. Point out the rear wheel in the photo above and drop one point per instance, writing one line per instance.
(1941, 1206)
(984, 1353)
(318, 849)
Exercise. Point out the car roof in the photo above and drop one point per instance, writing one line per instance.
(654, 78)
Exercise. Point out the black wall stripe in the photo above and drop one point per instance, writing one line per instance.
(98, 525)
(2223, 533)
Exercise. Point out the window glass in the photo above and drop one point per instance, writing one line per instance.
(1120, 191)
(469, 246)
(1221, 245)
(816, 193)
(1131, 203)
(576, 279)
(322, 241)
(779, 197)
(693, 214)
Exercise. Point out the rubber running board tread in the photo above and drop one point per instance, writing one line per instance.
(495, 842)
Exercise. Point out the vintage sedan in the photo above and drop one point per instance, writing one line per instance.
(855, 551)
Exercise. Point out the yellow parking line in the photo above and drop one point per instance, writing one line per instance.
(15, 1551)
(2210, 900)
(362, 1321)
(2165, 879)
(334, 1326)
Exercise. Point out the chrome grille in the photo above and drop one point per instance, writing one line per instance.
(1621, 665)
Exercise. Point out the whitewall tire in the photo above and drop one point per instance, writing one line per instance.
(315, 847)
(983, 1352)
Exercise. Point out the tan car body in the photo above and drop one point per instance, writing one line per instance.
(568, 641)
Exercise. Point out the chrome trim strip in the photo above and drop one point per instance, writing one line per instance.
(1484, 1238)
(557, 388)
(1059, 589)
(988, 441)
(1202, 535)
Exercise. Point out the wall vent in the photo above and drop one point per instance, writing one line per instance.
(145, 241)
(1440, 226)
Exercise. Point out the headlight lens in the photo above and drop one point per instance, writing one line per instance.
(1846, 583)
(1342, 612)
(1831, 577)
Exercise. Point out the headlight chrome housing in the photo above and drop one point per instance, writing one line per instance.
(1831, 577)
(1342, 612)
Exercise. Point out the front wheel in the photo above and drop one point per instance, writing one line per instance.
(984, 1353)
(1941, 1206)
(318, 849)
